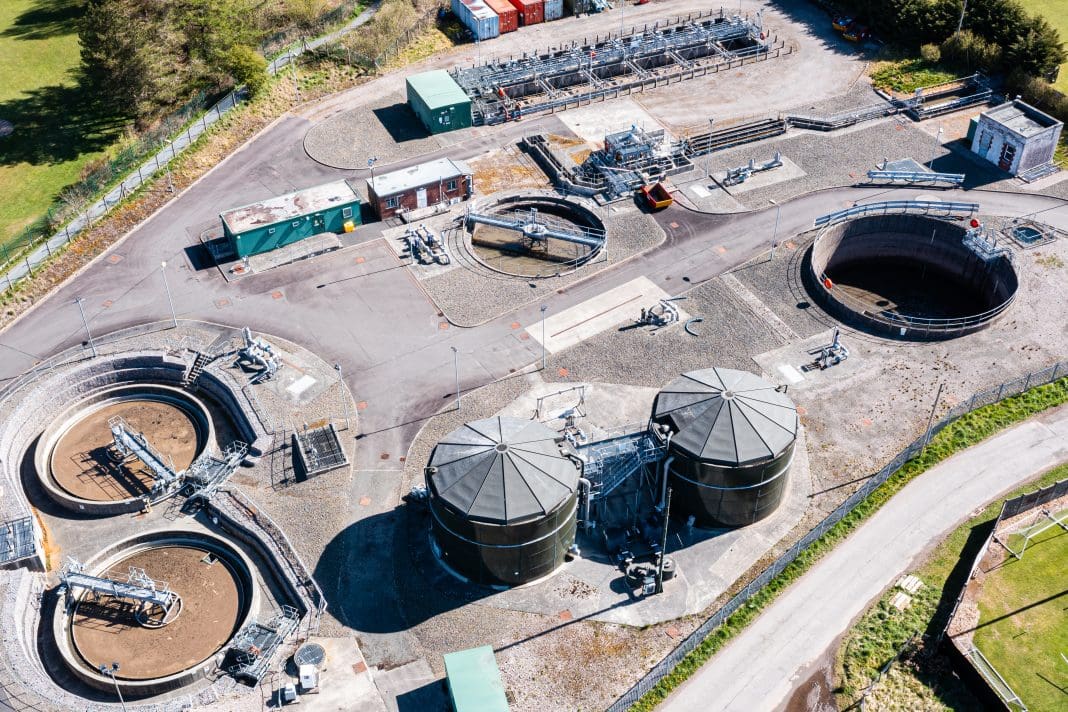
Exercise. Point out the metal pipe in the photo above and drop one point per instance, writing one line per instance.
(456, 369)
(664, 475)
(663, 545)
(585, 489)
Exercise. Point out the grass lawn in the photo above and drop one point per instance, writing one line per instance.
(1023, 628)
(56, 129)
(907, 75)
(1056, 13)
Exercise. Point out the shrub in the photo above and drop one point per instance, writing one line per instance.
(248, 67)
(931, 53)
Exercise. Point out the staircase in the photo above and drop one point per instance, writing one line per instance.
(199, 364)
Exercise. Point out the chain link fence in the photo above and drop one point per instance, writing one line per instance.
(692, 641)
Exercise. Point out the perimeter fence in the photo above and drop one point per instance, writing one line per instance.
(693, 640)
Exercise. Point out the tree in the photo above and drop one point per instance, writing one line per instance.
(248, 67)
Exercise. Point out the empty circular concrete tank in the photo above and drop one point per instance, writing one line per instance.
(909, 276)
(503, 500)
(732, 441)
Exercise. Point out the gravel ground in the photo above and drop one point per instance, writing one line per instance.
(385, 128)
(629, 232)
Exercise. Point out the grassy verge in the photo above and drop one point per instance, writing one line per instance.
(962, 433)
(921, 680)
(905, 76)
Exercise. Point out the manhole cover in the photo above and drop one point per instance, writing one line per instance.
(6, 128)
(309, 654)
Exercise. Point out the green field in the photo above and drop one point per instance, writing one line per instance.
(1023, 628)
(56, 128)
(1056, 13)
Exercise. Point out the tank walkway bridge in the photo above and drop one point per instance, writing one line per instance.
(255, 646)
(205, 474)
(538, 228)
(138, 587)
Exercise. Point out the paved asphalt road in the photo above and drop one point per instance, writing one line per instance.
(759, 669)
(371, 317)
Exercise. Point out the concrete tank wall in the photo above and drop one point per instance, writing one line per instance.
(936, 244)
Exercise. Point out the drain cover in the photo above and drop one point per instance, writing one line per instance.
(309, 654)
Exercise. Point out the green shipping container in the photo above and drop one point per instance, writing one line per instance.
(438, 101)
(285, 219)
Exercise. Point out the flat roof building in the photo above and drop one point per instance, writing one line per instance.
(1017, 138)
(285, 219)
(438, 101)
(443, 181)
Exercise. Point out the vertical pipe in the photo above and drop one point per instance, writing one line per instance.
(663, 545)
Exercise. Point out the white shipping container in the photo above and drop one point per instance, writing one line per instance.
(478, 17)
(554, 9)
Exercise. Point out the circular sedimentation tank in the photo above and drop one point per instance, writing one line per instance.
(213, 581)
(908, 276)
(528, 252)
(77, 460)
(503, 500)
(732, 442)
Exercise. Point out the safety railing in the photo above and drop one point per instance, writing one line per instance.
(947, 179)
(910, 207)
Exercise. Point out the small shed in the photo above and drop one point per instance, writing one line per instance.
(1016, 137)
(443, 181)
(438, 101)
(475, 681)
(285, 219)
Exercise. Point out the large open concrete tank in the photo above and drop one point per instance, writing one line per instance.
(732, 441)
(909, 276)
(503, 499)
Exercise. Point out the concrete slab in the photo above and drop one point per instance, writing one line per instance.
(599, 408)
(591, 317)
(785, 364)
(787, 171)
(592, 122)
(345, 682)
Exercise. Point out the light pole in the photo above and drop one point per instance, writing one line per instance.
(110, 672)
(344, 395)
(960, 22)
(544, 308)
(167, 288)
(456, 370)
(371, 164)
(622, 4)
(775, 232)
(938, 144)
(170, 180)
(88, 333)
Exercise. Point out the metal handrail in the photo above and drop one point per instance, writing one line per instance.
(891, 207)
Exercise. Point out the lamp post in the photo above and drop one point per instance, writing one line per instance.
(344, 395)
(775, 232)
(938, 144)
(85, 323)
(371, 164)
(622, 4)
(110, 672)
(456, 370)
(167, 288)
(544, 308)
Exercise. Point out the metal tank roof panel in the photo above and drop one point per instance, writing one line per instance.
(502, 470)
(726, 416)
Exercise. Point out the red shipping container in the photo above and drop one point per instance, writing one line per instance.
(531, 12)
(507, 17)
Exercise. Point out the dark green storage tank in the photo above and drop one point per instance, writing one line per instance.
(438, 101)
(285, 219)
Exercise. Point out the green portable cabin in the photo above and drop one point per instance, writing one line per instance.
(475, 681)
(285, 219)
(438, 101)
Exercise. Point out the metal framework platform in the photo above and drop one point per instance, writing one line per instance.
(608, 463)
(320, 450)
(507, 89)
(138, 587)
(17, 540)
(537, 227)
(129, 443)
(257, 643)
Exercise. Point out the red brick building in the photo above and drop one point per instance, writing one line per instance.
(443, 181)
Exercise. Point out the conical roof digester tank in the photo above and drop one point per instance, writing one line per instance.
(732, 441)
(503, 499)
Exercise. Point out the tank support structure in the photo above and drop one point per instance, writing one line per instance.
(828, 355)
(127, 443)
(536, 228)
